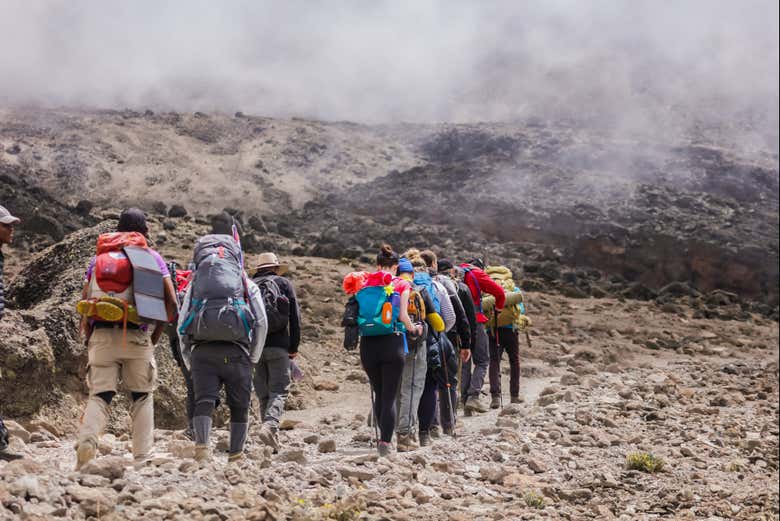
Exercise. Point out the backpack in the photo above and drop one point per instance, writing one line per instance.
(219, 308)
(113, 273)
(277, 304)
(423, 280)
(350, 324)
(510, 315)
(110, 295)
(378, 310)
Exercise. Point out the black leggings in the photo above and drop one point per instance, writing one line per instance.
(383, 360)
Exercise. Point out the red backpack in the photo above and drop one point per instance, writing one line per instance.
(113, 271)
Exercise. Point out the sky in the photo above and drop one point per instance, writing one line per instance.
(634, 65)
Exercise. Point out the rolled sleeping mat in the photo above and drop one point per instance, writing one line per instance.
(512, 298)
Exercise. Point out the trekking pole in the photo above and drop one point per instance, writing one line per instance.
(498, 350)
(373, 415)
(411, 392)
(448, 385)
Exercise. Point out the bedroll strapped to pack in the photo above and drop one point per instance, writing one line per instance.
(219, 308)
(513, 313)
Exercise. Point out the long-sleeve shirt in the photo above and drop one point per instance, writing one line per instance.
(290, 337)
(462, 329)
(479, 282)
(2, 291)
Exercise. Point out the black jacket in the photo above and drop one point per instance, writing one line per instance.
(290, 337)
(2, 293)
(464, 294)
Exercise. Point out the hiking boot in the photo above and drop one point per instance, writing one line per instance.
(425, 439)
(202, 453)
(268, 436)
(448, 430)
(189, 433)
(406, 443)
(384, 449)
(9, 456)
(495, 402)
(516, 399)
(435, 432)
(474, 405)
(86, 451)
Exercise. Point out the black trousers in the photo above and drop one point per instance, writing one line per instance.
(382, 358)
(217, 364)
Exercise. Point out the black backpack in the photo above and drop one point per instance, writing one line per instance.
(277, 305)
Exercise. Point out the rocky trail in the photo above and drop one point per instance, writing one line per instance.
(604, 379)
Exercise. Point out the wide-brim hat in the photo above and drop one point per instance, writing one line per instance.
(270, 260)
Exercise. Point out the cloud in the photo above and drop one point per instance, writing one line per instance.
(638, 65)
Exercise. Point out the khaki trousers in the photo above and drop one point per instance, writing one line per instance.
(132, 365)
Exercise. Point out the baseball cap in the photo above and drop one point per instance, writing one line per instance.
(7, 218)
(132, 220)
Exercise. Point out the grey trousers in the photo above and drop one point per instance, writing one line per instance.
(411, 389)
(471, 383)
(272, 383)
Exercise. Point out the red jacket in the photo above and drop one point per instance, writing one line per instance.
(479, 282)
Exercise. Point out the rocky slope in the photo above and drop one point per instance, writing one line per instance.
(592, 212)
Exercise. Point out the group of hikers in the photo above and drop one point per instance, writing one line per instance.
(423, 327)
(422, 324)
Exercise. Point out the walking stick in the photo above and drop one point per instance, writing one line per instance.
(449, 387)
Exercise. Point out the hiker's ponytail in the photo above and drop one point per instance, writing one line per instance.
(386, 257)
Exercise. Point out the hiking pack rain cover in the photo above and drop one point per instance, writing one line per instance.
(148, 286)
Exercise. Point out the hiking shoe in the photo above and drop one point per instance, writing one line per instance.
(268, 436)
(495, 402)
(406, 443)
(9, 456)
(425, 439)
(516, 399)
(86, 451)
(474, 405)
(448, 430)
(435, 432)
(202, 453)
(189, 433)
(384, 449)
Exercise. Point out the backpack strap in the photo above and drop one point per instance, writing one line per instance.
(467, 271)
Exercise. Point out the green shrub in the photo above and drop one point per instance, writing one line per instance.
(533, 500)
(644, 462)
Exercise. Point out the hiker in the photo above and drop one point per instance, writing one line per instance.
(478, 282)
(503, 333)
(412, 268)
(441, 356)
(459, 338)
(119, 346)
(180, 279)
(7, 223)
(222, 329)
(272, 372)
(383, 321)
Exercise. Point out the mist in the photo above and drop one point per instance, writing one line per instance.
(644, 66)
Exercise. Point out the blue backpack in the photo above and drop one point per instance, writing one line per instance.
(378, 310)
(424, 280)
